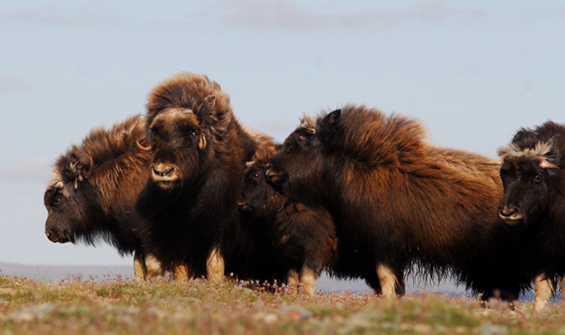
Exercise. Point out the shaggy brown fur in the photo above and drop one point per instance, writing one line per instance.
(396, 201)
(199, 152)
(93, 191)
(534, 203)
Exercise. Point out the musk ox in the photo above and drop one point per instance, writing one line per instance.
(533, 176)
(302, 238)
(398, 201)
(93, 190)
(198, 155)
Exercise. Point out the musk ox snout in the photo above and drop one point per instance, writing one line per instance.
(511, 214)
(56, 236)
(164, 173)
(243, 204)
(274, 176)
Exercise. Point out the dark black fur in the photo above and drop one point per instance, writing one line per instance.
(303, 238)
(193, 131)
(538, 193)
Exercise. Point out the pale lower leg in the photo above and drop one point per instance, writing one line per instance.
(388, 280)
(215, 266)
(308, 279)
(544, 290)
(139, 268)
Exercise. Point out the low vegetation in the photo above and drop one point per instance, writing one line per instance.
(121, 306)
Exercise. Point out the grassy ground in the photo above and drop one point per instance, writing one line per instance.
(120, 306)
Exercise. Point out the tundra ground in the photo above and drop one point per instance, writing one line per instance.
(121, 306)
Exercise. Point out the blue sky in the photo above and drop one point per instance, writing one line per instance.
(473, 72)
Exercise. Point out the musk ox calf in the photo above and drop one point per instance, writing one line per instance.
(302, 238)
(533, 175)
(397, 201)
(93, 190)
(198, 155)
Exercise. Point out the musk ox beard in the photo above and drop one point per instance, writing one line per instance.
(198, 153)
(533, 176)
(303, 239)
(397, 201)
(93, 190)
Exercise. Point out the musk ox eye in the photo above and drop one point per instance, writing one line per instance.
(256, 175)
(301, 138)
(58, 199)
(193, 134)
(537, 178)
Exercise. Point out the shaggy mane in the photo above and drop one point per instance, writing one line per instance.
(104, 154)
(197, 93)
(369, 136)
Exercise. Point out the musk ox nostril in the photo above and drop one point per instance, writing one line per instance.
(163, 172)
(507, 212)
(510, 214)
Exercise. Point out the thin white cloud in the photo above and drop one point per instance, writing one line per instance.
(12, 84)
(82, 17)
(288, 15)
(36, 168)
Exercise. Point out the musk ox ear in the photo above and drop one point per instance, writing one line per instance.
(333, 117)
(202, 143)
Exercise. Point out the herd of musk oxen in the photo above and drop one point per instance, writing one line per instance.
(193, 193)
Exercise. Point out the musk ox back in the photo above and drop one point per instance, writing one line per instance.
(92, 193)
(534, 186)
(302, 238)
(398, 201)
(198, 152)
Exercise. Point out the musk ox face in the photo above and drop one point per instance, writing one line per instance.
(70, 209)
(259, 197)
(177, 144)
(299, 165)
(528, 177)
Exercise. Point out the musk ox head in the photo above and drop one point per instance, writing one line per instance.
(531, 174)
(298, 167)
(71, 202)
(87, 178)
(259, 197)
(177, 142)
(187, 116)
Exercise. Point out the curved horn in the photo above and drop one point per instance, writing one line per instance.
(202, 143)
(143, 148)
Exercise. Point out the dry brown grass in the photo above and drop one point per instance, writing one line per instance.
(120, 306)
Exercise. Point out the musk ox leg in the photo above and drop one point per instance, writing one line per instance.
(139, 267)
(308, 279)
(390, 283)
(181, 273)
(544, 290)
(153, 267)
(293, 281)
(215, 266)
(563, 286)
